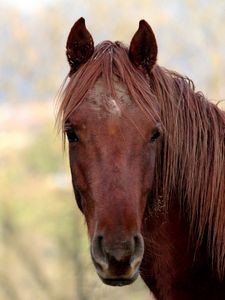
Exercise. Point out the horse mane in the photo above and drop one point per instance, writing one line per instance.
(191, 165)
(191, 160)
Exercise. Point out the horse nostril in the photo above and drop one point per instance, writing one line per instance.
(99, 247)
(138, 250)
(138, 245)
(98, 253)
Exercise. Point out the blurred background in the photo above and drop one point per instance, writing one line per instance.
(44, 251)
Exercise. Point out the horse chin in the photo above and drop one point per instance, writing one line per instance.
(120, 281)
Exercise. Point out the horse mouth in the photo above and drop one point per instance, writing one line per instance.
(119, 281)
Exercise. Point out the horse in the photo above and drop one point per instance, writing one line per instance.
(147, 159)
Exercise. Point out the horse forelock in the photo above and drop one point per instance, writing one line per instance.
(109, 61)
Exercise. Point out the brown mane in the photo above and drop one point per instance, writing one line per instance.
(193, 160)
(192, 164)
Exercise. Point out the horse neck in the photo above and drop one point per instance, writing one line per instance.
(190, 160)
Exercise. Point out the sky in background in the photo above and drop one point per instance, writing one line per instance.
(27, 6)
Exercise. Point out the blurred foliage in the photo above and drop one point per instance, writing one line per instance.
(32, 56)
(44, 251)
(36, 161)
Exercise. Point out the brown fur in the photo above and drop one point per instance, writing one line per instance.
(193, 160)
(190, 159)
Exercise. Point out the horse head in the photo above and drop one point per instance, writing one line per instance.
(112, 144)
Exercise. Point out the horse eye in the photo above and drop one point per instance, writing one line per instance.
(71, 135)
(155, 135)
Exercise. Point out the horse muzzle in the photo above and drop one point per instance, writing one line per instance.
(117, 262)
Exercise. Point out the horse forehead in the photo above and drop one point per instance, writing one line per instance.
(105, 103)
(102, 111)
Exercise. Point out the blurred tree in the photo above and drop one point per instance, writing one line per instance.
(208, 33)
(32, 56)
(43, 246)
(42, 157)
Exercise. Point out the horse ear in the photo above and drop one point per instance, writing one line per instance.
(79, 46)
(143, 47)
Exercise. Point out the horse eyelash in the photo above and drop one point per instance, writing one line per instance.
(67, 126)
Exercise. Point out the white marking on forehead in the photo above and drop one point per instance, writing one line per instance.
(100, 101)
(113, 106)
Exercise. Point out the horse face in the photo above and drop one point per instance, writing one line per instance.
(112, 149)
